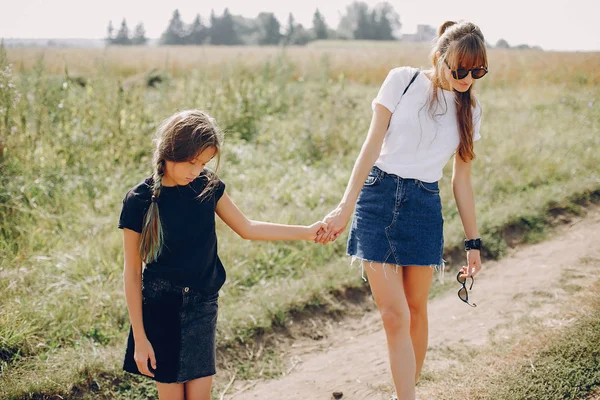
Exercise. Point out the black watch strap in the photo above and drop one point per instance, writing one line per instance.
(472, 244)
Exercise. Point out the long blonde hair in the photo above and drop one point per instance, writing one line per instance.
(459, 44)
(179, 138)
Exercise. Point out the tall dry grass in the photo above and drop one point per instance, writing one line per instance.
(76, 126)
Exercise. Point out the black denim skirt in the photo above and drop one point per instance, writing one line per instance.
(180, 324)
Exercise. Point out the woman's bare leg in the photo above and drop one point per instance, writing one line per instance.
(417, 281)
(388, 291)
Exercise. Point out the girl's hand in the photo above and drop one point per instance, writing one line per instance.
(314, 229)
(336, 221)
(473, 264)
(143, 352)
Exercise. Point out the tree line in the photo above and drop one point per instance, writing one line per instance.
(360, 22)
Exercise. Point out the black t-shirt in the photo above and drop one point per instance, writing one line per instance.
(189, 254)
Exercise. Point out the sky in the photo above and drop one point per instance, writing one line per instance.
(551, 24)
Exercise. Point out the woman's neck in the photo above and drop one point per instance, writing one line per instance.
(441, 84)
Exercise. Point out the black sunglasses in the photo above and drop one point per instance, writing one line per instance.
(461, 73)
(462, 292)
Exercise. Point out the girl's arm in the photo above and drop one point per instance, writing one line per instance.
(339, 217)
(132, 277)
(465, 201)
(258, 230)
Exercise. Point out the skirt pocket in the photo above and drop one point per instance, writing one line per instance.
(430, 187)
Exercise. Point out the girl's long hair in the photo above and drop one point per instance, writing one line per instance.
(460, 45)
(180, 138)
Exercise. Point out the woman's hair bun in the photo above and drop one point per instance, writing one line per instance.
(445, 26)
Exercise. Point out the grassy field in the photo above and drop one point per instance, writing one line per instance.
(549, 358)
(76, 128)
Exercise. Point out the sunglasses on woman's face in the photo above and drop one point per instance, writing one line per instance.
(461, 73)
(462, 292)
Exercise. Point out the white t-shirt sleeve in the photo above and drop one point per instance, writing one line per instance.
(391, 90)
(477, 114)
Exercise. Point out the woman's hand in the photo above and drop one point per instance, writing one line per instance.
(473, 264)
(336, 220)
(143, 352)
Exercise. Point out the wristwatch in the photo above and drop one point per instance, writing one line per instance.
(472, 244)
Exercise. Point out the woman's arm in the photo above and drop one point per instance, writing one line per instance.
(258, 230)
(132, 277)
(465, 201)
(339, 217)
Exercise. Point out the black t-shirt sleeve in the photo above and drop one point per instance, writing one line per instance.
(132, 213)
(219, 190)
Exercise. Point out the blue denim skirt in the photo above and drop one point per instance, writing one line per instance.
(398, 221)
(180, 324)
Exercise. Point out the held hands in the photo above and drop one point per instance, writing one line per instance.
(143, 352)
(473, 264)
(314, 229)
(336, 222)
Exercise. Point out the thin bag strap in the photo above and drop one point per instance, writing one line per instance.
(403, 93)
(410, 83)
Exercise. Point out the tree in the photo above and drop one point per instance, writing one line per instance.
(139, 35)
(122, 37)
(175, 33)
(109, 33)
(380, 23)
(247, 30)
(502, 44)
(301, 36)
(269, 29)
(386, 22)
(198, 33)
(290, 30)
(319, 25)
(362, 30)
(222, 30)
(348, 26)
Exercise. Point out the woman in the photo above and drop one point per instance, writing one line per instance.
(420, 119)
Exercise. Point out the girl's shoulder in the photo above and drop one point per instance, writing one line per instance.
(141, 192)
(206, 176)
(209, 178)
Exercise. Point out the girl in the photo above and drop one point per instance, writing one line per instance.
(420, 119)
(168, 222)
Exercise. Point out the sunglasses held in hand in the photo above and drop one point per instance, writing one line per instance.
(463, 294)
(461, 73)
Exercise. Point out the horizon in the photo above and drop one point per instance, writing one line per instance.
(564, 26)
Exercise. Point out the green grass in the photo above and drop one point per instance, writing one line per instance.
(564, 366)
(72, 151)
(534, 357)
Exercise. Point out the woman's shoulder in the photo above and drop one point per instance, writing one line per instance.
(403, 72)
(400, 77)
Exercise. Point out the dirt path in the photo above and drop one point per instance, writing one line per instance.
(529, 282)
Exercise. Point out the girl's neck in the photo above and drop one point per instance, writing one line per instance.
(168, 182)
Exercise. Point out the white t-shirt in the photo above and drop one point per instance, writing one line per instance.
(416, 145)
